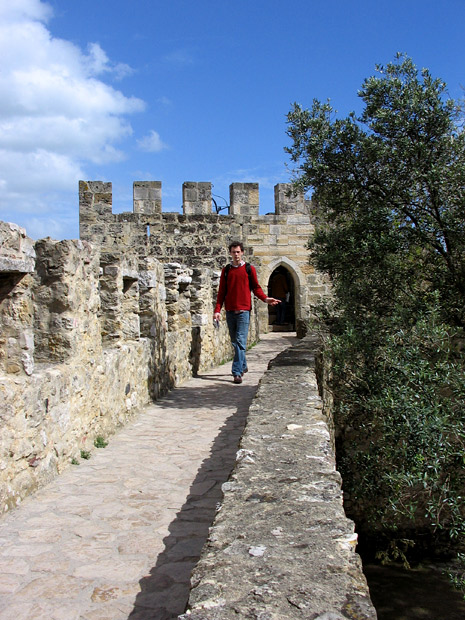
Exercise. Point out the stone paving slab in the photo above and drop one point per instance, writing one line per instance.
(117, 536)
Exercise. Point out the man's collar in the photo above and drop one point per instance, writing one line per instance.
(240, 264)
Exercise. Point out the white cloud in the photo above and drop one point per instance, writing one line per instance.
(42, 171)
(56, 113)
(98, 62)
(30, 9)
(151, 143)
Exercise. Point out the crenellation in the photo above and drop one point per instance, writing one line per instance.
(119, 292)
(196, 198)
(147, 197)
(244, 199)
(66, 271)
(18, 254)
(16, 319)
(287, 200)
(95, 201)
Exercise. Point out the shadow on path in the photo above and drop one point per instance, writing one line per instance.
(212, 394)
(165, 592)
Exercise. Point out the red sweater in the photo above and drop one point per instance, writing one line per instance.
(236, 295)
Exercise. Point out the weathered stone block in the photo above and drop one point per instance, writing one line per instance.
(244, 199)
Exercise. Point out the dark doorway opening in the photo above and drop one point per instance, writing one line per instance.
(281, 286)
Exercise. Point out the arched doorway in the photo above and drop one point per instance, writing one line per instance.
(281, 286)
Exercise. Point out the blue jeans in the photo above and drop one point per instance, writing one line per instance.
(238, 325)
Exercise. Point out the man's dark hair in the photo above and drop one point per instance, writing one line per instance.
(234, 244)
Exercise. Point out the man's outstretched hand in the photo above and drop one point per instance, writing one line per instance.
(271, 301)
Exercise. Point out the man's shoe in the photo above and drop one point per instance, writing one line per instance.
(244, 371)
(237, 379)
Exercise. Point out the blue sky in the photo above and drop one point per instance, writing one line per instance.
(174, 91)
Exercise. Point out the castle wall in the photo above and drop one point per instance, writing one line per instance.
(92, 329)
(86, 339)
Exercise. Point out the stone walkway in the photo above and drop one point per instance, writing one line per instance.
(116, 537)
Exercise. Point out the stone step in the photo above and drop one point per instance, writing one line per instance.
(286, 327)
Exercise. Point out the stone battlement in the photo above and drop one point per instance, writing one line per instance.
(199, 236)
(95, 199)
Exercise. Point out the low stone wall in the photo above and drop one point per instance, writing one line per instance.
(281, 546)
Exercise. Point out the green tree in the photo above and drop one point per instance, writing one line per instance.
(389, 204)
(390, 184)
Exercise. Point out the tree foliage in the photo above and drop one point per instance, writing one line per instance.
(389, 201)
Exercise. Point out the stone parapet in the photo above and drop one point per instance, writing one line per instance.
(281, 547)
(49, 417)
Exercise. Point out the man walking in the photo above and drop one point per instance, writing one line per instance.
(237, 280)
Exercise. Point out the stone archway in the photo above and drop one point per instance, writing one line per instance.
(298, 285)
(281, 286)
